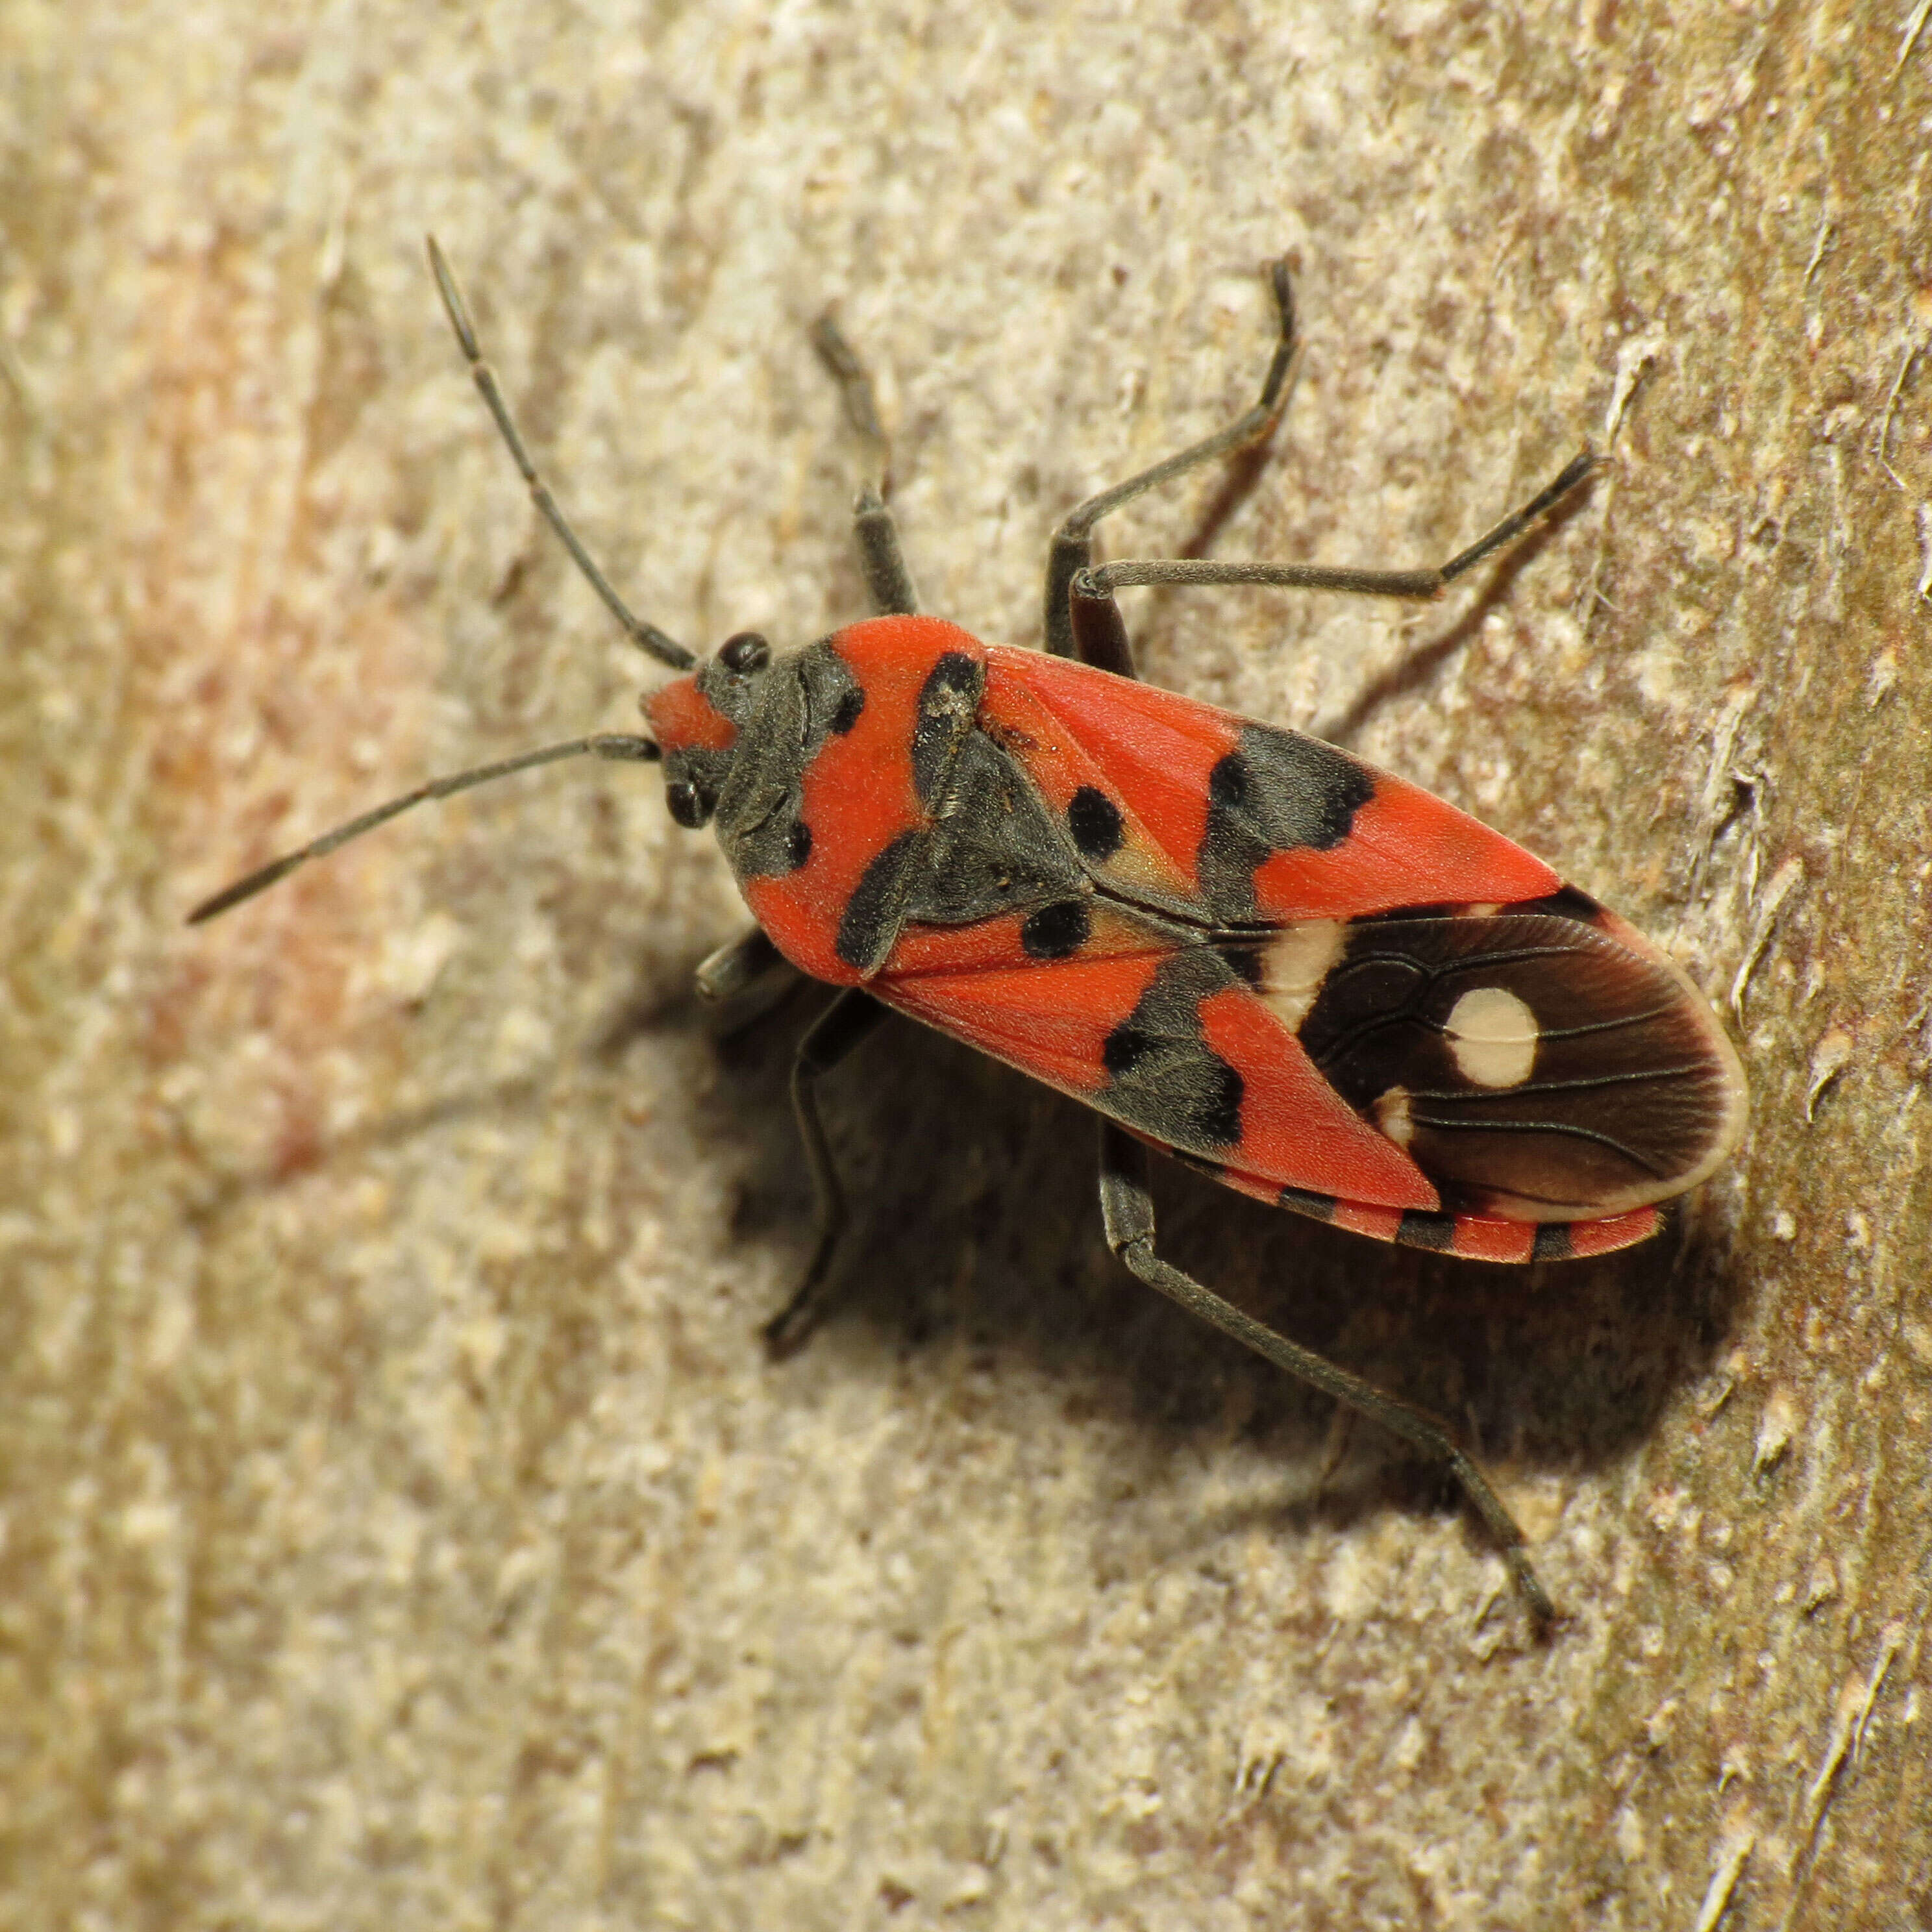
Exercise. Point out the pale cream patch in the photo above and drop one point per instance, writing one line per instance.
(1392, 1115)
(1295, 965)
(1493, 1036)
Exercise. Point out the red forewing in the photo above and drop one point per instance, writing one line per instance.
(1162, 1034)
(1253, 824)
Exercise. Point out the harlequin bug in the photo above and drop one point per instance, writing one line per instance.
(1241, 945)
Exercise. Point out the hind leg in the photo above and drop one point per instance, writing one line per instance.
(1126, 1208)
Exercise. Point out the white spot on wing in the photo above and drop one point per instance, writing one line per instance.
(1295, 965)
(1392, 1115)
(1493, 1035)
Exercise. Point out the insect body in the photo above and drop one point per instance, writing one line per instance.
(1316, 981)
(1241, 945)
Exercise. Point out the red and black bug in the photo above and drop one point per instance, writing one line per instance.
(1239, 945)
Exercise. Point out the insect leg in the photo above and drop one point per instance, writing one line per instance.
(888, 582)
(748, 977)
(1071, 551)
(647, 637)
(1098, 586)
(738, 965)
(1126, 1209)
(836, 1031)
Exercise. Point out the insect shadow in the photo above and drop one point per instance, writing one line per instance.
(975, 1222)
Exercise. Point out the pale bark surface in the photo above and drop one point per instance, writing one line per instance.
(402, 1528)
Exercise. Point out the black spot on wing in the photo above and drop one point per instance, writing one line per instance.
(1164, 1078)
(1228, 783)
(798, 843)
(848, 711)
(1243, 958)
(1303, 1200)
(1276, 791)
(1094, 820)
(1125, 1048)
(1056, 932)
(1217, 1116)
(876, 910)
(1566, 902)
(1553, 1242)
(1458, 909)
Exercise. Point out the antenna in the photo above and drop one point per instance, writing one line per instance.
(647, 637)
(618, 745)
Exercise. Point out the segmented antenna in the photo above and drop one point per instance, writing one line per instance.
(647, 637)
(615, 745)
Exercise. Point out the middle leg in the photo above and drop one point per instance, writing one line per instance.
(1095, 636)
(851, 1018)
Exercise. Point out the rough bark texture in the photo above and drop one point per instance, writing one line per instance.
(402, 1527)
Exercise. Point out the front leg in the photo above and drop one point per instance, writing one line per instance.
(849, 1019)
(889, 583)
(1126, 1209)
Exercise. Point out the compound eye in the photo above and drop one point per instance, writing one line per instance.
(688, 806)
(745, 653)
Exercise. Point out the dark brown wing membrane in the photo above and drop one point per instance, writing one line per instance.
(1532, 1064)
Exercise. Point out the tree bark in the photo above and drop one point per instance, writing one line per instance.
(402, 1525)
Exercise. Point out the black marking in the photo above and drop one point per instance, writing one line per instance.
(1167, 1081)
(995, 849)
(1243, 958)
(1566, 902)
(876, 910)
(1419, 1229)
(798, 843)
(1277, 791)
(1057, 931)
(948, 701)
(832, 696)
(791, 703)
(1228, 783)
(1458, 909)
(1094, 820)
(1215, 1170)
(1316, 1207)
(1553, 1242)
(1125, 1048)
(1218, 1118)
